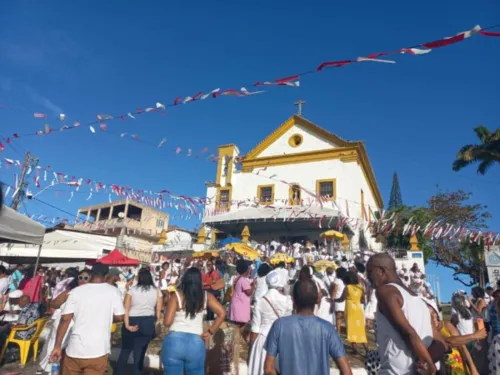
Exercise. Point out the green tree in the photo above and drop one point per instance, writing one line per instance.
(396, 240)
(486, 153)
(395, 200)
(463, 257)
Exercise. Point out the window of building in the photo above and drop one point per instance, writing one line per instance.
(325, 189)
(133, 212)
(295, 196)
(295, 140)
(224, 199)
(265, 194)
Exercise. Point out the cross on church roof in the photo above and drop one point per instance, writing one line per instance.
(299, 106)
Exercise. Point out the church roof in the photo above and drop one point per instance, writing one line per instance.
(322, 133)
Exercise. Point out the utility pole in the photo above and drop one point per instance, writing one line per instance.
(29, 163)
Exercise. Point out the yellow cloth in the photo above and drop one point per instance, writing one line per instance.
(355, 316)
(454, 360)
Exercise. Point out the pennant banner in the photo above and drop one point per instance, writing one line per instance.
(290, 81)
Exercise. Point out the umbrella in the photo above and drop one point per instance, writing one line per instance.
(324, 264)
(281, 257)
(332, 234)
(202, 254)
(228, 241)
(244, 250)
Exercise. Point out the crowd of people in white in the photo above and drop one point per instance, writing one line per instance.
(291, 315)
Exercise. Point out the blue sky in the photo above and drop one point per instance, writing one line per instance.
(115, 56)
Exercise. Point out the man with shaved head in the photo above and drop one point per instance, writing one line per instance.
(404, 329)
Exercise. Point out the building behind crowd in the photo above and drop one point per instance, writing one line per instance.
(299, 181)
(136, 226)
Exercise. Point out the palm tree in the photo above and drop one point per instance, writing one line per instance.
(486, 153)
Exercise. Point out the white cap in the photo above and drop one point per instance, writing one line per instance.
(273, 280)
(16, 294)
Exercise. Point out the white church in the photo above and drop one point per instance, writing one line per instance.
(298, 182)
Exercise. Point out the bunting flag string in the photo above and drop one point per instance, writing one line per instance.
(191, 206)
(289, 81)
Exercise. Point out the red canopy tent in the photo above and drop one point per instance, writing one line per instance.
(115, 258)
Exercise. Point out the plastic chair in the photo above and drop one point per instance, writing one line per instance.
(25, 345)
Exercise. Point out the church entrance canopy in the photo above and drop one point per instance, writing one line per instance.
(268, 223)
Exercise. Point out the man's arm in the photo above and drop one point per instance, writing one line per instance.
(390, 303)
(343, 365)
(272, 350)
(118, 309)
(337, 352)
(64, 323)
(62, 329)
(270, 365)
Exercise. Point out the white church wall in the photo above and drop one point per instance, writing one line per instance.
(310, 142)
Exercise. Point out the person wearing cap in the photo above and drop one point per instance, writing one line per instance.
(272, 306)
(92, 307)
(11, 308)
(30, 312)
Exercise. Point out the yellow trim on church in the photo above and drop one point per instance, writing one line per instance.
(225, 151)
(287, 125)
(300, 157)
(333, 181)
(259, 194)
(346, 151)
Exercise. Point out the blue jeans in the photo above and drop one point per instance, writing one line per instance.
(183, 353)
(136, 342)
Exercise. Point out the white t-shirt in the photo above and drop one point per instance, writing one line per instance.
(143, 302)
(4, 285)
(93, 307)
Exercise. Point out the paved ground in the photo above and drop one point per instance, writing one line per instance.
(31, 367)
(356, 361)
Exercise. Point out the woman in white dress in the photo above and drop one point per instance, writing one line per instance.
(272, 306)
(260, 282)
(371, 307)
(337, 290)
(75, 279)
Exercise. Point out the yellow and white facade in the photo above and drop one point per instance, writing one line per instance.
(298, 177)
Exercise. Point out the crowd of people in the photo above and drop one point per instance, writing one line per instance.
(291, 316)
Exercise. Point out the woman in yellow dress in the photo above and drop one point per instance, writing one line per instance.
(354, 315)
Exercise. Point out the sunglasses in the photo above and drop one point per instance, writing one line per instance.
(84, 278)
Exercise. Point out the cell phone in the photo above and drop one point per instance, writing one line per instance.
(480, 324)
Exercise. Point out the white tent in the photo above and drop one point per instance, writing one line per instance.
(15, 227)
(61, 245)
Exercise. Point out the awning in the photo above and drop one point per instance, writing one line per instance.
(60, 245)
(290, 219)
(279, 213)
(17, 228)
(115, 258)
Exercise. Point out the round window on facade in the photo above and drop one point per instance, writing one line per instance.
(295, 140)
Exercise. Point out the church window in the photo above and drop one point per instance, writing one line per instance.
(295, 197)
(265, 194)
(295, 140)
(326, 189)
(224, 201)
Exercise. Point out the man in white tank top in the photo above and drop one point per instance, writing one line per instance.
(404, 328)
